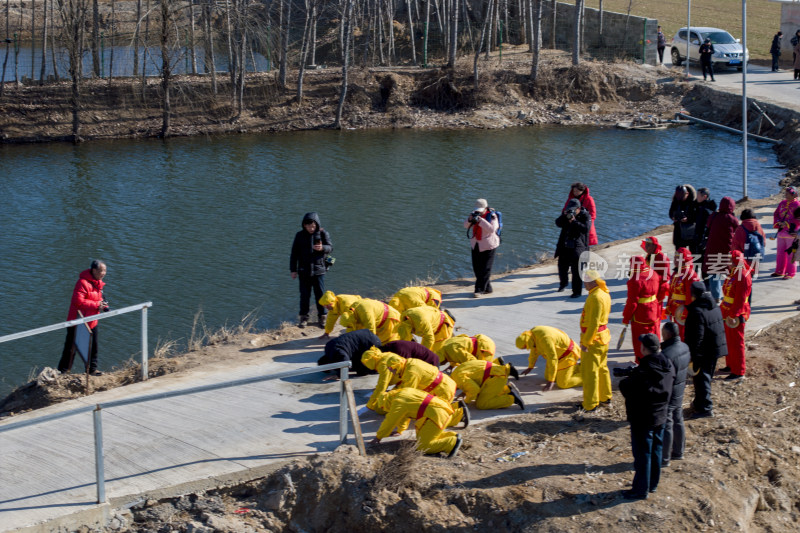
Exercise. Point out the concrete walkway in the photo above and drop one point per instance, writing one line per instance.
(192, 442)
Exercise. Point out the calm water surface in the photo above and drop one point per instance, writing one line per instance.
(206, 224)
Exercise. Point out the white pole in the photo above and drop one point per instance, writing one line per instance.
(688, 35)
(98, 455)
(744, 97)
(343, 374)
(144, 344)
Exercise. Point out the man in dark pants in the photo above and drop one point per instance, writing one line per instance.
(307, 262)
(705, 335)
(705, 206)
(482, 226)
(87, 297)
(775, 51)
(706, 52)
(350, 346)
(572, 242)
(647, 393)
(678, 354)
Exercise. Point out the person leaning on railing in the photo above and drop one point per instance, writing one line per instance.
(87, 297)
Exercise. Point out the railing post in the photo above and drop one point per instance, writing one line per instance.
(343, 374)
(144, 343)
(98, 455)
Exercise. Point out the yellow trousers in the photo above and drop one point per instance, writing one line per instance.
(569, 377)
(494, 394)
(431, 439)
(595, 375)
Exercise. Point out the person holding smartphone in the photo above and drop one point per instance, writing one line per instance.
(307, 264)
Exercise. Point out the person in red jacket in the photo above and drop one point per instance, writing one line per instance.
(642, 309)
(736, 311)
(580, 192)
(721, 227)
(87, 297)
(680, 288)
(659, 264)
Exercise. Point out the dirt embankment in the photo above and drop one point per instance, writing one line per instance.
(592, 93)
(741, 472)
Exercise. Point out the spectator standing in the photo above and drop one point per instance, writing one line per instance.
(483, 223)
(572, 242)
(661, 43)
(87, 297)
(706, 53)
(647, 394)
(678, 354)
(580, 192)
(682, 211)
(749, 238)
(786, 224)
(775, 51)
(796, 53)
(705, 206)
(705, 336)
(716, 260)
(307, 263)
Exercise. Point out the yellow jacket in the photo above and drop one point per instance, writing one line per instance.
(341, 304)
(555, 346)
(389, 371)
(471, 375)
(417, 374)
(375, 316)
(412, 297)
(594, 319)
(430, 324)
(408, 403)
(462, 348)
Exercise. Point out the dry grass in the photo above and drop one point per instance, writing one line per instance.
(165, 348)
(201, 335)
(397, 472)
(763, 18)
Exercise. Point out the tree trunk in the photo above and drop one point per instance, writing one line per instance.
(451, 60)
(345, 62)
(554, 9)
(232, 57)
(44, 45)
(53, 39)
(210, 60)
(33, 36)
(486, 19)
(303, 50)
(192, 38)
(96, 38)
(314, 35)
(165, 69)
(537, 39)
(287, 13)
(136, 38)
(411, 32)
(145, 42)
(600, 25)
(113, 38)
(390, 20)
(576, 39)
(8, 48)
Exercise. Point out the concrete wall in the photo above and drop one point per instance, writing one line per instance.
(623, 37)
(790, 23)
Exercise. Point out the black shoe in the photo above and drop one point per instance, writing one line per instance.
(561, 289)
(512, 370)
(630, 495)
(303, 322)
(582, 410)
(463, 405)
(321, 321)
(733, 377)
(726, 369)
(573, 295)
(517, 396)
(704, 414)
(676, 458)
(500, 360)
(606, 403)
(457, 447)
(95, 372)
(664, 464)
(652, 491)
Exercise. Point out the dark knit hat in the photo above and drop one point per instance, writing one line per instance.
(573, 203)
(698, 288)
(650, 341)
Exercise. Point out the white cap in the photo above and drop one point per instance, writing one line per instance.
(481, 205)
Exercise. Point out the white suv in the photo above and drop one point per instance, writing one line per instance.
(727, 50)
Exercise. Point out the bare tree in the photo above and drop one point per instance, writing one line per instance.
(44, 45)
(576, 42)
(136, 38)
(348, 22)
(8, 47)
(96, 38)
(486, 22)
(451, 60)
(192, 37)
(166, 69)
(537, 39)
(307, 30)
(33, 36)
(73, 16)
(553, 10)
(411, 32)
(286, 12)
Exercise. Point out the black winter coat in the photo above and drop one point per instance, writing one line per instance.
(574, 237)
(705, 331)
(350, 346)
(678, 354)
(647, 391)
(702, 212)
(304, 259)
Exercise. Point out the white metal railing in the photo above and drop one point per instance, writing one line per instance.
(84, 320)
(98, 422)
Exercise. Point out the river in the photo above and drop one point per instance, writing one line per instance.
(207, 223)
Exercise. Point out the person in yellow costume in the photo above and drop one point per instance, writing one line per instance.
(595, 338)
(375, 316)
(462, 348)
(412, 297)
(487, 384)
(432, 416)
(431, 325)
(336, 304)
(561, 354)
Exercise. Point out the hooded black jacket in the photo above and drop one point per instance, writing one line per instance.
(574, 235)
(304, 259)
(678, 354)
(647, 391)
(702, 212)
(350, 346)
(705, 330)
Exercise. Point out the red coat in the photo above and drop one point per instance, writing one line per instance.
(86, 297)
(643, 305)
(735, 291)
(721, 226)
(740, 235)
(587, 203)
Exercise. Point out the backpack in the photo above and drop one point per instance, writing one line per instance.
(499, 223)
(753, 244)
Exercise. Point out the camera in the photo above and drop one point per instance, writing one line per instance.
(105, 308)
(474, 217)
(570, 214)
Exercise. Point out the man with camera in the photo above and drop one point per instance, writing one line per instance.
(87, 298)
(572, 242)
(483, 224)
(308, 262)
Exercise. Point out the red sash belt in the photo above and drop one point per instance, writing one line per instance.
(568, 351)
(423, 406)
(385, 315)
(435, 383)
(427, 296)
(474, 346)
(601, 328)
(441, 322)
(487, 372)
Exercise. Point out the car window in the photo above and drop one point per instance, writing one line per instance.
(695, 38)
(721, 37)
(682, 35)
